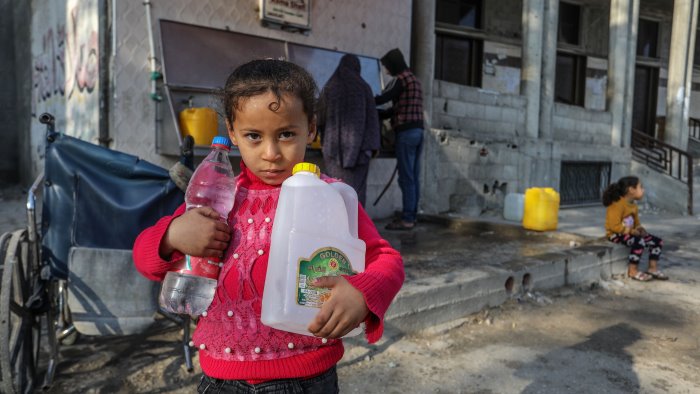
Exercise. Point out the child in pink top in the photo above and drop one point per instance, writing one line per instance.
(269, 116)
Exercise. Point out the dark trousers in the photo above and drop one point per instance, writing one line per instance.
(409, 144)
(638, 244)
(326, 383)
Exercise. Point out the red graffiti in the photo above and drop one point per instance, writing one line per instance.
(68, 62)
(83, 58)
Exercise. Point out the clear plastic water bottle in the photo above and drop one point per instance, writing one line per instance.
(189, 286)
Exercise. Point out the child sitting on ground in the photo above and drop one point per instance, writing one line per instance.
(269, 116)
(622, 226)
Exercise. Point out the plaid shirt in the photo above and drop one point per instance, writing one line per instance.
(408, 108)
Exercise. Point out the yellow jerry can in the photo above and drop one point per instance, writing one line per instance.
(316, 143)
(541, 209)
(201, 123)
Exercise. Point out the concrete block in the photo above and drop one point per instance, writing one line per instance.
(446, 121)
(449, 90)
(509, 172)
(457, 108)
(439, 105)
(489, 98)
(469, 94)
(436, 88)
(509, 115)
(494, 113)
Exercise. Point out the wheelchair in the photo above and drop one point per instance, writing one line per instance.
(70, 272)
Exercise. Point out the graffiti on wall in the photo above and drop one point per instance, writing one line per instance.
(65, 68)
(49, 66)
(83, 55)
(67, 62)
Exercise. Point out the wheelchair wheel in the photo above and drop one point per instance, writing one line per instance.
(20, 325)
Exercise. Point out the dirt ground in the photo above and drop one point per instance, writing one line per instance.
(616, 337)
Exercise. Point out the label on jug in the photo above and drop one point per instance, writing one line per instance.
(323, 262)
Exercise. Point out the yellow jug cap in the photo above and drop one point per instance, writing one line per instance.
(308, 167)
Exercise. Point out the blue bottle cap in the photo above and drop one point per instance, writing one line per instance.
(221, 140)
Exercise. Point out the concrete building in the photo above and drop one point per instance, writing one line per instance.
(546, 93)
(518, 93)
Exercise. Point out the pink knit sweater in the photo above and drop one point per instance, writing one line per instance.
(233, 343)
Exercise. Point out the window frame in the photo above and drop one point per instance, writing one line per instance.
(578, 81)
(658, 38)
(477, 37)
(579, 33)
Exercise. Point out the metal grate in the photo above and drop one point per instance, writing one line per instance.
(583, 182)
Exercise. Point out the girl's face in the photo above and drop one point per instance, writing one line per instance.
(272, 142)
(636, 193)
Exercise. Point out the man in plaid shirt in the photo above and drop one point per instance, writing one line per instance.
(406, 113)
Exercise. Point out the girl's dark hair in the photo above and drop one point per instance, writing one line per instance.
(268, 75)
(618, 189)
(394, 62)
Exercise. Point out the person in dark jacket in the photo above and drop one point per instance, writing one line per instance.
(406, 114)
(349, 125)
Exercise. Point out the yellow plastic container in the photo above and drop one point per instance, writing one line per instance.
(201, 123)
(541, 209)
(316, 143)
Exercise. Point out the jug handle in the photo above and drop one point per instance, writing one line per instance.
(351, 205)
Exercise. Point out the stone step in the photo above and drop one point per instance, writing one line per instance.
(451, 296)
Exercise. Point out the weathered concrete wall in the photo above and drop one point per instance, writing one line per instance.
(501, 68)
(577, 124)
(23, 82)
(8, 94)
(471, 172)
(661, 190)
(595, 27)
(457, 107)
(503, 18)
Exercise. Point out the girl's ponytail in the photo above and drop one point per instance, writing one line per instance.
(617, 190)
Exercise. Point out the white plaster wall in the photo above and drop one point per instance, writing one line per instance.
(596, 86)
(499, 77)
(335, 25)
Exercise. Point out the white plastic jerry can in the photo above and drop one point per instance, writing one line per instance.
(314, 235)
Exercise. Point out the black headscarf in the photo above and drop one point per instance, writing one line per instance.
(394, 62)
(348, 116)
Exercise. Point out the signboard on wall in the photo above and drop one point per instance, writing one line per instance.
(292, 13)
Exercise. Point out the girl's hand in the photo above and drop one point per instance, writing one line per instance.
(342, 312)
(641, 231)
(198, 232)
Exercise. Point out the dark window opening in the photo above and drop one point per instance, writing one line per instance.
(569, 23)
(458, 59)
(465, 13)
(647, 38)
(570, 81)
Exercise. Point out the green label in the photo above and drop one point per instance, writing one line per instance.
(323, 262)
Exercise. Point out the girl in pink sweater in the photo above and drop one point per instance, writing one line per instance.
(269, 116)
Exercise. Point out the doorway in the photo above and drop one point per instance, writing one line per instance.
(646, 87)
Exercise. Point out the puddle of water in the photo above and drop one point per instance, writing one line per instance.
(434, 248)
